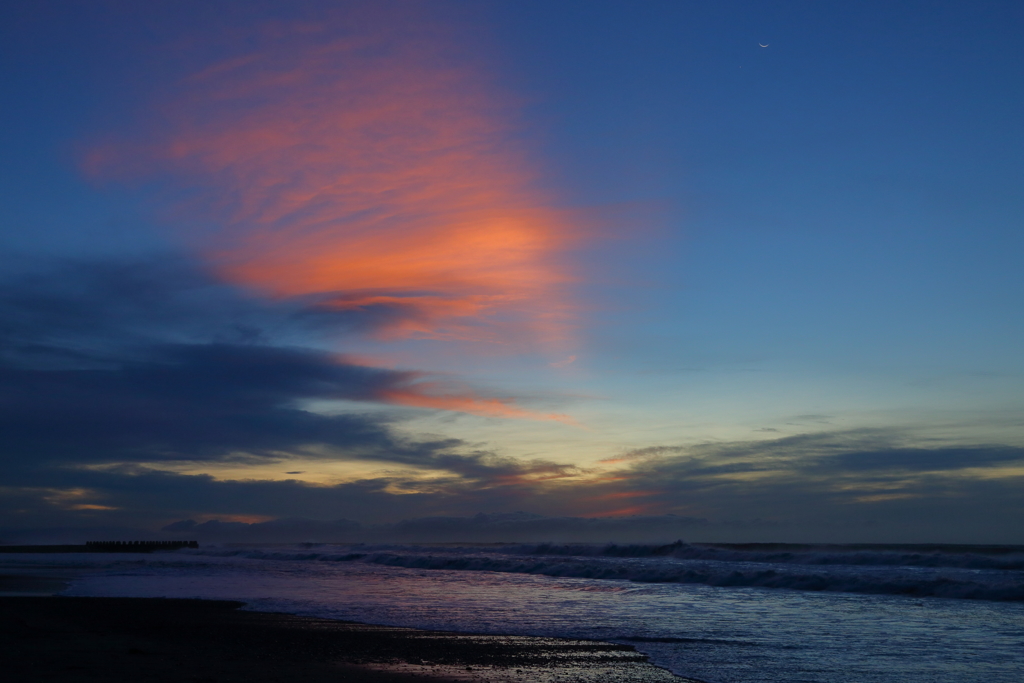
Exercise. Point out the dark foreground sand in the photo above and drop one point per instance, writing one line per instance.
(203, 641)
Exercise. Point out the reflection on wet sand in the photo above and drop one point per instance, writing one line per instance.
(153, 639)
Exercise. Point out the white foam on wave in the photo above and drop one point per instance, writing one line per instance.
(943, 576)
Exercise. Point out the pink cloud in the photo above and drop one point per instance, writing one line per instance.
(360, 162)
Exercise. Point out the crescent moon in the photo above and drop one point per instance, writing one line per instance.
(764, 45)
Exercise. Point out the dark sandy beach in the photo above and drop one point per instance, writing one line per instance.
(141, 639)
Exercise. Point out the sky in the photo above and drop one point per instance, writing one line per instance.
(718, 271)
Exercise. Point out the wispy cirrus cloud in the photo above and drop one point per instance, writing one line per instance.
(360, 162)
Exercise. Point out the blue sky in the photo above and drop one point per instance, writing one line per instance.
(737, 268)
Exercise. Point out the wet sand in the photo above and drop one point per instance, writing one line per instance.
(205, 641)
(23, 584)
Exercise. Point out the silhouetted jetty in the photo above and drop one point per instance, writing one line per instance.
(102, 547)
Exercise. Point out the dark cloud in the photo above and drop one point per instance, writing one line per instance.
(864, 450)
(797, 498)
(853, 485)
(68, 313)
(108, 369)
(924, 459)
(72, 313)
(149, 498)
(194, 402)
(155, 360)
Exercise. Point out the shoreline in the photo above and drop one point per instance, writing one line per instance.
(57, 638)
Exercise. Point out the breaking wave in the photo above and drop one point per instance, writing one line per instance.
(963, 572)
(1005, 557)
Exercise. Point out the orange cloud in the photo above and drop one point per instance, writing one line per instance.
(425, 390)
(636, 509)
(467, 403)
(614, 461)
(625, 494)
(361, 162)
(624, 512)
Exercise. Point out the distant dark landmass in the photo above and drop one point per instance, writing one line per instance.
(102, 547)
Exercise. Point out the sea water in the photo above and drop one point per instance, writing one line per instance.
(718, 615)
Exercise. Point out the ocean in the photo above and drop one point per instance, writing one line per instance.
(721, 614)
